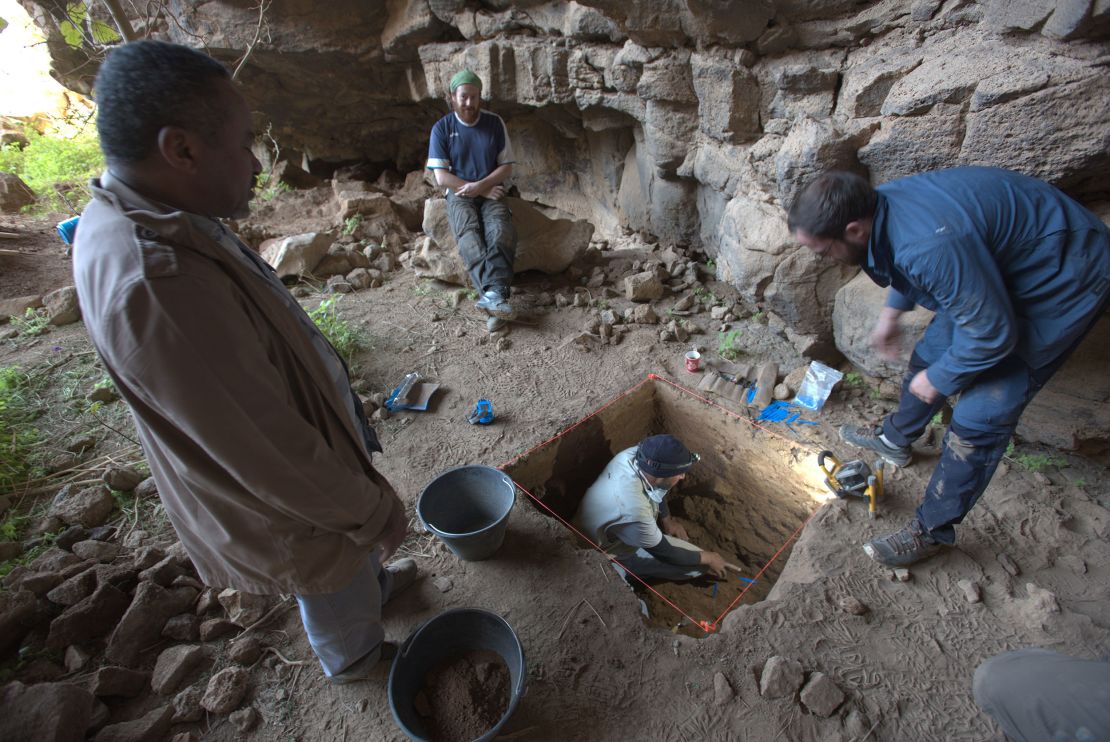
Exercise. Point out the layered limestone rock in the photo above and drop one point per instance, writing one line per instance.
(695, 121)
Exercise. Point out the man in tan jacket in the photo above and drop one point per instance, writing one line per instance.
(260, 451)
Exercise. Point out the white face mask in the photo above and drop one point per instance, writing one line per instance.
(655, 494)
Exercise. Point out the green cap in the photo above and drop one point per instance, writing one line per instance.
(465, 77)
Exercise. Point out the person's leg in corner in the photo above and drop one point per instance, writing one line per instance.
(344, 628)
(1036, 694)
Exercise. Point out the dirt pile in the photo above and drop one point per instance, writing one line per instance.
(464, 697)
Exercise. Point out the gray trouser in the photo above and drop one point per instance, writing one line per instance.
(484, 231)
(345, 626)
(1036, 694)
(649, 569)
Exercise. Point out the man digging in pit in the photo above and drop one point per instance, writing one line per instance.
(625, 513)
(245, 412)
(472, 158)
(1017, 274)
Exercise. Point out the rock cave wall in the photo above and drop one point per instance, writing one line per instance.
(695, 122)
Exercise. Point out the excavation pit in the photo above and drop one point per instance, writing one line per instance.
(747, 498)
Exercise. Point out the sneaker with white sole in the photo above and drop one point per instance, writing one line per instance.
(496, 304)
(871, 437)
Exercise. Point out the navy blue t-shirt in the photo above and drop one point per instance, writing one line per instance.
(469, 152)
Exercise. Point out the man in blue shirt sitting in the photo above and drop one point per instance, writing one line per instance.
(1017, 274)
(472, 158)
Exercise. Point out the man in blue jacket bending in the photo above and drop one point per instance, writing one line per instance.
(1017, 274)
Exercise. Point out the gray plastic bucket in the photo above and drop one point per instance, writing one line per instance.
(441, 639)
(468, 508)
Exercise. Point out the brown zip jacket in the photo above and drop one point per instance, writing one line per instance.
(246, 421)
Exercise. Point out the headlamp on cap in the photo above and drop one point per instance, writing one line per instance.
(664, 456)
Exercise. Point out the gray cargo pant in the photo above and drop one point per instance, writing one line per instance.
(484, 231)
(1036, 694)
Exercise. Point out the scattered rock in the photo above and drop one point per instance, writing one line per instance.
(821, 695)
(215, 628)
(850, 604)
(47, 712)
(19, 613)
(781, 677)
(122, 478)
(40, 583)
(641, 314)
(1008, 564)
(146, 488)
(89, 620)
(119, 681)
(146, 557)
(67, 538)
(901, 574)
(186, 705)
(75, 658)
(164, 572)
(970, 590)
(722, 691)
(244, 719)
(243, 608)
(174, 665)
(75, 589)
(141, 626)
(183, 628)
(245, 651)
(152, 727)
(61, 306)
(443, 584)
(225, 690)
(643, 286)
(96, 550)
(87, 507)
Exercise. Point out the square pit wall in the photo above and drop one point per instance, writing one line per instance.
(746, 499)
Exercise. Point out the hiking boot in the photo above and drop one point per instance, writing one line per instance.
(902, 548)
(367, 667)
(871, 438)
(495, 303)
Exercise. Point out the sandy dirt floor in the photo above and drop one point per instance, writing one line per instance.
(1036, 545)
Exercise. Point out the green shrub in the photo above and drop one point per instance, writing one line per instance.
(33, 322)
(728, 345)
(346, 340)
(19, 460)
(51, 164)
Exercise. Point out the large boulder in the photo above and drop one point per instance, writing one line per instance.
(547, 245)
(296, 255)
(1070, 412)
(855, 313)
(14, 194)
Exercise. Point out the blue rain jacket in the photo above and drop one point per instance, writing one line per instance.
(1017, 266)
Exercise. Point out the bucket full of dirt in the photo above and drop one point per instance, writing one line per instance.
(467, 508)
(458, 678)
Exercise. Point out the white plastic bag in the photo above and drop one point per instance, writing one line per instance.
(817, 385)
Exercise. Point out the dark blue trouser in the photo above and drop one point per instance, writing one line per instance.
(983, 420)
(484, 231)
